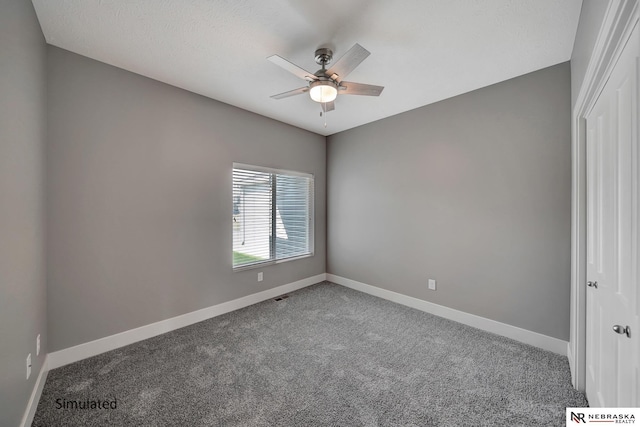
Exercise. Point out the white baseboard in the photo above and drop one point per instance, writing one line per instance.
(30, 412)
(93, 348)
(82, 351)
(528, 337)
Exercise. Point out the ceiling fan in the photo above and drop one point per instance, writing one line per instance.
(325, 85)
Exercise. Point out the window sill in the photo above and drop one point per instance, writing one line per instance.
(270, 262)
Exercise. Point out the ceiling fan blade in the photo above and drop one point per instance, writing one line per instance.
(328, 106)
(351, 88)
(347, 63)
(291, 93)
(292, 68)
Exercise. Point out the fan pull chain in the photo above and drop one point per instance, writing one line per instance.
(325, 118)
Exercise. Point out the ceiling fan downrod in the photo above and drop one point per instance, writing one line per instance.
(324, 55)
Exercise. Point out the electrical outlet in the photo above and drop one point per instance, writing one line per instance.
(432, 284)
(260, 277)
(38, 345)
(28, 365)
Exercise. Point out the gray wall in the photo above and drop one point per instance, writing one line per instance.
(22, 134)
(473, 191)
(140, 199)
(591, 18)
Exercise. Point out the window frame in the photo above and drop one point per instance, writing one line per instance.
(310, 214)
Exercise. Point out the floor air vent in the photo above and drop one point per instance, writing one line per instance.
(281, 297)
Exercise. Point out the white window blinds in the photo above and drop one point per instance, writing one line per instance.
(272, 215)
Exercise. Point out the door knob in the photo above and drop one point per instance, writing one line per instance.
(622, 331)
(592, 284)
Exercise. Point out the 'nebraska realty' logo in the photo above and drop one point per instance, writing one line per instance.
(602, 415)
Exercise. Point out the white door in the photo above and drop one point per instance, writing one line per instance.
(613, 193)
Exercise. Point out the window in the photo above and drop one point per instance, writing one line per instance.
(272, 215)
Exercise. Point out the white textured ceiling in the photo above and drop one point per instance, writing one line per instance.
(422, 51)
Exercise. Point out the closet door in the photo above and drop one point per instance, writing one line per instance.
(613, 299)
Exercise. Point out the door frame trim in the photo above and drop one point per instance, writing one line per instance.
(620, 19)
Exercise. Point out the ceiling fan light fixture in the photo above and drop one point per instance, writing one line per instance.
(323, 91)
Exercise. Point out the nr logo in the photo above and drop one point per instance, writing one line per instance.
(577, 417)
